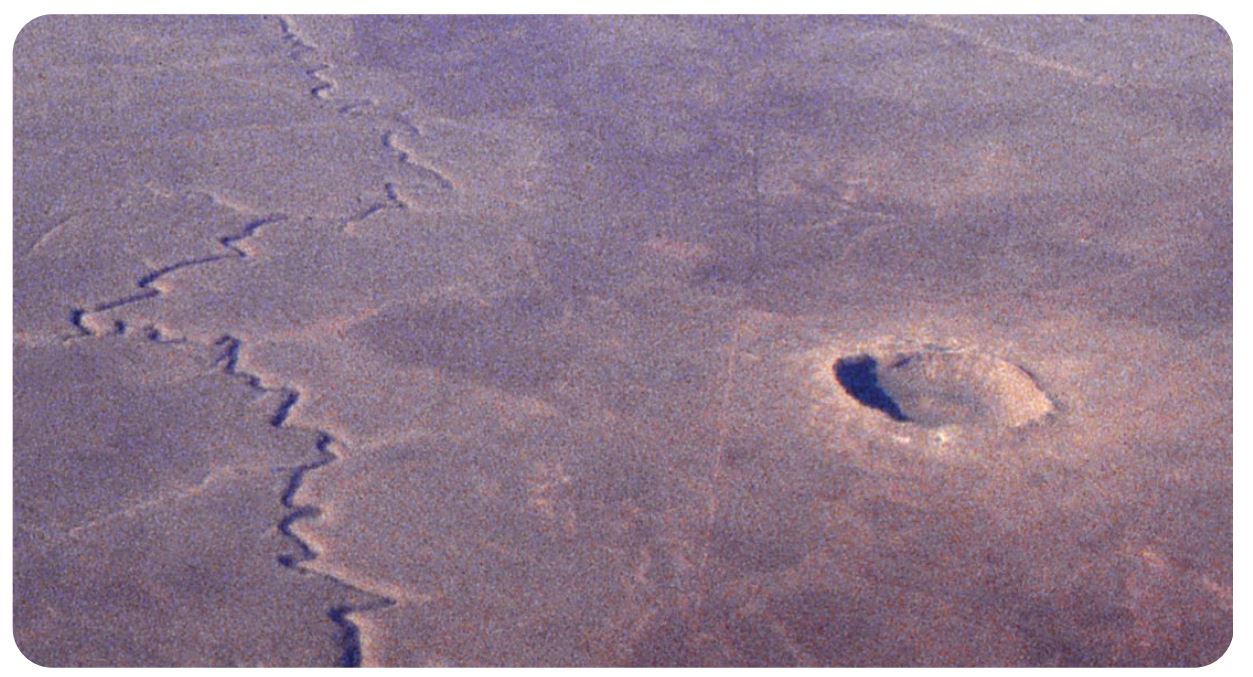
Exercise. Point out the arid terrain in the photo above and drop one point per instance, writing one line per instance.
(827, 341)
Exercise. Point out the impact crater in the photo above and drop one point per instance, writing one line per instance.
(935, 388)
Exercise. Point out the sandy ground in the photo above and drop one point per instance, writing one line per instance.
(499, 341)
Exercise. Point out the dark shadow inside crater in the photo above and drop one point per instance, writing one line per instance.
(859, 377)
(936, 388)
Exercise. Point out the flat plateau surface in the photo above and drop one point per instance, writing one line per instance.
(622, 341)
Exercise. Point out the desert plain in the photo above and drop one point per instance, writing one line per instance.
(622, 341)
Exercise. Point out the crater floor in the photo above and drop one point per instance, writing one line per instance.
(934, 389)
